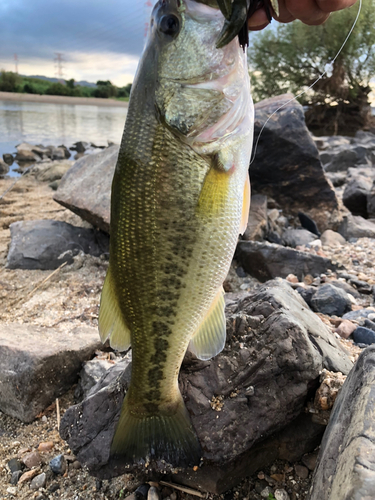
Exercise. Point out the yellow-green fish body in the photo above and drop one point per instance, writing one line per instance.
(180, 196)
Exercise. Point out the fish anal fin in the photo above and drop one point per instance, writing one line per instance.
(245, 206)
(210, 337)
(112, 324)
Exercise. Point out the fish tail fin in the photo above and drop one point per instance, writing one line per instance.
(159, 436)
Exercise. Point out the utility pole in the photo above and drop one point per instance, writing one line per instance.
(59, 66)
(16, 62)
(148, 6)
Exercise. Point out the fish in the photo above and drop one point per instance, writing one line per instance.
(180, 197)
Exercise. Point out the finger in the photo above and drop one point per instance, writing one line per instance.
(333, 5)
(306, 11)
(258, 20)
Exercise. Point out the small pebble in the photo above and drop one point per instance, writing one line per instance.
(310, 460)
(16, 476)
(32, 459)
(76, 465)
(14, 465)
(281, 495)
(362, 335)
(27, 476)
(301, 471)
(142, 491)
(153, 494)
(266, 492)
(12, 490)
(53, 487)
(47, 446)
(38, 481)
(58, 465)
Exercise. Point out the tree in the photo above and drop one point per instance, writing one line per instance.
(292, 57)
(9, 81)
(105, 89)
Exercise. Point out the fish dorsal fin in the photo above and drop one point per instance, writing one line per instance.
(210, 337)
(245, 206)
(112, 324)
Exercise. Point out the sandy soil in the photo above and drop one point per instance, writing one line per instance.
(59, 99)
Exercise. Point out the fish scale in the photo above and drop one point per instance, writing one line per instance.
(176, 210)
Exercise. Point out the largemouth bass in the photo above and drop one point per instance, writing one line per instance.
(180, 197)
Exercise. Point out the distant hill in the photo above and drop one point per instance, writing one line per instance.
(82, 83)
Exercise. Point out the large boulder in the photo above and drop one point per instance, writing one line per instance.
(46, 244)
(86, 187)
(265, 261)
(355, 195)
(39, 364)
(287, 165)
(276, 348)
(346, 462)
(355, 226)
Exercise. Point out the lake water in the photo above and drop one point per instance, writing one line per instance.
(55, 124)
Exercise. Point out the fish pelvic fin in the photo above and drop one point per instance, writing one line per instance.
(210, 337)
(156, 436)
(245, 206)
(112, 324)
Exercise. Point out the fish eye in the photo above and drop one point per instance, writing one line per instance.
(169, 24)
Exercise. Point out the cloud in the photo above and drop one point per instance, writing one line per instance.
(98, 39)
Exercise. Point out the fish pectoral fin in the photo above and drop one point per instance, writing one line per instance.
(112, 324)
(245, 206)
(210, 337)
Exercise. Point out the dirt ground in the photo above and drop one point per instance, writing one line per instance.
(69, 297)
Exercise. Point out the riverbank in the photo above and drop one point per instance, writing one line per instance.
(60, 99)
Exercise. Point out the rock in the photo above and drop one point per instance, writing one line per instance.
(355, 226)
(362, 335)
(26, 156)
(32, 459)
(16, 476)
(331, 300)
(86, 187)
(27, 476)
(46, 446)
(307, 293)
(337, 178)
(362, 286)
(67, 153)
(369, 324)
(370, 203)
(270, 367)
(355, 195)
(58, 154)
(92, 371)
(58, 465)
(332, 239)
(310, 460)
(281, 495)
(265, 261)
(4, 168)
(346, 287)
(346, 328)
(8, 158)
(287, 166)
(297, 237)
(301, 471)
(346, 465)
(340, 159)
(257, 225)
(308, 223)
(80, 146)
(46, 244)
(330, 386)
(51, 171)
(38, 364)
(14, 465)
(142, 491)
(360, 313)
(153, 494)
(12, 490)
(38, 481)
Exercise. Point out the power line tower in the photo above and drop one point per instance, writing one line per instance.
(16, 62)
(59, 59)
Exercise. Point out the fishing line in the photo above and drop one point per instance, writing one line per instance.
(328, 66)
(26, 171)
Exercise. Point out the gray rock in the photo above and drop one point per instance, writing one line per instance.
(257, 226)
(340, 159)
(337, 178)
(360, 313)
(346, 287)
(297, 237)
(362, 335)
(92, 371)
(66, 151)
(355, 226)
(38, 364)
(32, 459)
(58, 465)
(58, 154)
(346, 463)
(370, 205)
(14, 465)
(46, 244)
(38, 481)
(86, 187)
(4, 167)
(51, 171)
(355, 195)
(279, 360)
(16, 476)
(267, 260)
(331, 239)
(8, 158)
(80, 146)
(287, 166)
(331, 300)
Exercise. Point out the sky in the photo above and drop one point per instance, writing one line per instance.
(97, 39)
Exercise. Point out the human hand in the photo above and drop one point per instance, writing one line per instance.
(308, 11)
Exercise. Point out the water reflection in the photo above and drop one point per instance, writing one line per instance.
(55, 124)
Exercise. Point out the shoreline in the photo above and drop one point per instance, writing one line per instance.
(61, 99)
